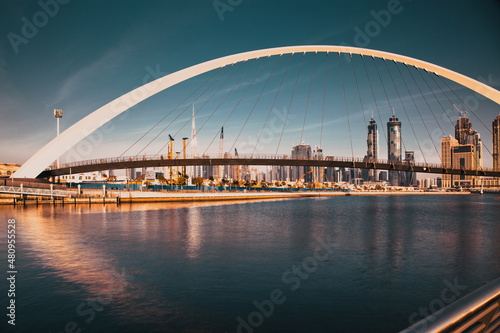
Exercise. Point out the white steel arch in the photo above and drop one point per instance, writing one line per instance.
(58, 146)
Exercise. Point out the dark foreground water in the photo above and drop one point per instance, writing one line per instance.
(341, 264)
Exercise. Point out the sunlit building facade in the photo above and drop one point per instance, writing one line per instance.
(394, 147)
(447, 145)
(301, 152)
(465, 151)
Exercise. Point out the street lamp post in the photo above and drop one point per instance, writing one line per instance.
(58, 115)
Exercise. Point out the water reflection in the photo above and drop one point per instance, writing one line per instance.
(199, 265)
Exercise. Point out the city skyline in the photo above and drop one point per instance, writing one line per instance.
(250, 166)
(82, 87)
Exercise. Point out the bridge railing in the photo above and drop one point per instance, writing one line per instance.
(21, 190)
(246, 156)
(477, 312)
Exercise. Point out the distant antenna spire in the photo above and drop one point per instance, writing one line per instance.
(393, 111)
(222, 132)
(194, 140)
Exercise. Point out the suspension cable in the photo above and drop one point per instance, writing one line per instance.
(235, 107)
(359, 93)
(215, 72)
(272, 105)
(324, 96)
(451, 102)
(418, 111)
(401, 101)
(345, 101)
(435, 97)
(257, 101)
(215, 110)
(388, 100)
(290, 104)
(308, 95)
(374, 99)
(454, 93)
(425, 99)
(187, 107)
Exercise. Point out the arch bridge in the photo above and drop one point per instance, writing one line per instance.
(37, 165)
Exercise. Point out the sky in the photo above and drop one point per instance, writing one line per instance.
(79, 55)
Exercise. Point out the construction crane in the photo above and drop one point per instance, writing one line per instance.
(312, 171)
(461, 114)
(170, 155)
(221, 149)
(184, 155)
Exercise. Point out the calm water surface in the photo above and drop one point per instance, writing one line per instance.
(339, 264)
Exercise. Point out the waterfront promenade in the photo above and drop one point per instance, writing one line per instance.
(117, 197)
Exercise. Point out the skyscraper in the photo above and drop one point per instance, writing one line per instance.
(469, 153)
(372, 153)
(235, 169)
(394, 147)
(462, 128)
(496, 143)
(447, 145)
(409, 178)
(301, 152)
(465, 151)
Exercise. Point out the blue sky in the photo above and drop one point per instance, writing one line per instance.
(88, 53)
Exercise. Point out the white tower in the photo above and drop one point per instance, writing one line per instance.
(194, 140)
(194, 147)
(58, 115)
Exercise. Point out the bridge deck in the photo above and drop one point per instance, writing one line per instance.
(146, 161)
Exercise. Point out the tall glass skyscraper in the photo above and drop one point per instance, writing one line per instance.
(394, 147)
(462, 128)
(496, 143)
(372, 153)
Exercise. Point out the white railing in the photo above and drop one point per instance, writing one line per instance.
(34, 191)
(243, 156)
(248, 156)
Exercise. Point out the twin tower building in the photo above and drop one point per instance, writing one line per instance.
(394, 153)
(464, 151)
